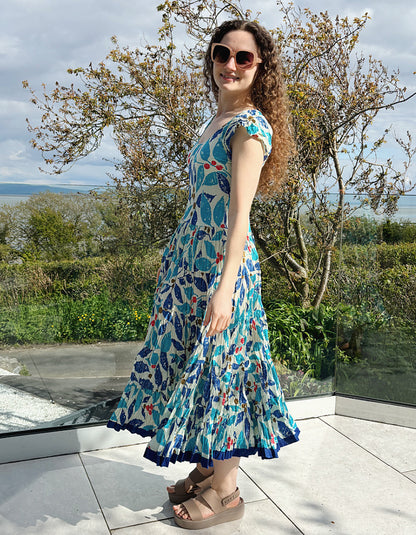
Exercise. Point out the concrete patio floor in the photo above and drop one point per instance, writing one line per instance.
(345, 476)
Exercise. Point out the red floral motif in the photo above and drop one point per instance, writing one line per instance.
(229, 443)
(206, 165)
(149, 408)
(223, 399)
(219, 258)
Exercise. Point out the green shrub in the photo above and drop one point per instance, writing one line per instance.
(303, 339)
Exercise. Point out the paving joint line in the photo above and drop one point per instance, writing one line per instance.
(359, 445)
(93, 491)
(273, 502)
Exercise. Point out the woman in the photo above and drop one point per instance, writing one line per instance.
(204, 386)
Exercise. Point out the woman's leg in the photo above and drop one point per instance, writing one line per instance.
(188, 483)
(224, 483)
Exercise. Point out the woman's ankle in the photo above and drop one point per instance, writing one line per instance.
(206, 471)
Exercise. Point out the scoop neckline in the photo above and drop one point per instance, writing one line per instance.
(199, 142)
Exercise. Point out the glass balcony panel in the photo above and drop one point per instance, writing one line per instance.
(377, 304)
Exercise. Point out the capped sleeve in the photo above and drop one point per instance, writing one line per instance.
(256, 125)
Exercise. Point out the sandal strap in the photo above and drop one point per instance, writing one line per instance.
(212, 499)
(196, 476)
(231, 497)
(180, 486)
(193, 508)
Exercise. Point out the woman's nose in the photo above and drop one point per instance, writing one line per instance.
(231, 63)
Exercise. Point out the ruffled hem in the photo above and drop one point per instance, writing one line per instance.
(196, 457)
(132, 428)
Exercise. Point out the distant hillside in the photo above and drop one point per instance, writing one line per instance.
(30, 189)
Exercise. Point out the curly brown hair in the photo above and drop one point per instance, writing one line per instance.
(268, 95)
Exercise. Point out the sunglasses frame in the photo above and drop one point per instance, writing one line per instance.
(233, 54)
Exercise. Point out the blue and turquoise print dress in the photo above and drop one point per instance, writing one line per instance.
(202, 398)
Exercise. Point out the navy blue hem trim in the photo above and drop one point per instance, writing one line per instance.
(133, 429)
(196, 457)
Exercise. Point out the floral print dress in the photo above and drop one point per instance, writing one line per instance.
(202, 398)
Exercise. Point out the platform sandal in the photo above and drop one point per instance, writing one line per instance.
(199, 482)
(217, 504)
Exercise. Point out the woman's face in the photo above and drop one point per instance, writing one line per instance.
(230, 79)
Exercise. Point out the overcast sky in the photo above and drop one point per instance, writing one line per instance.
(40, 39)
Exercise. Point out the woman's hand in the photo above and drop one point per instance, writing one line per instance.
(218, 312)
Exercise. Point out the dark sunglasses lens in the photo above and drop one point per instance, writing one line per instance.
(220, 54)
(244, 59)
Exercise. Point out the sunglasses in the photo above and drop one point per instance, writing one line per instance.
(244, 59)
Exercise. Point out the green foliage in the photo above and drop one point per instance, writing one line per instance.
(303, 339)
(46, 282)
(95, 318)
(398, 231)
(360, 230)
(387, 367)
(401, 254)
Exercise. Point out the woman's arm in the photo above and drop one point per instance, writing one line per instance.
(247, 160)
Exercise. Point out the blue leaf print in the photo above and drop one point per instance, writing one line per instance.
(210, 179)
(188, 292)
(194, 218)
(177, 345)
(166, 341)
(223, 183)
(218, 153)
(199, 176)
(210, 249)
(146, 385)
(164, 360)
(158, 377)
(141, 367)
(203, 264)
(200, 284)
(205, 445)
(145, 351)
(219, 211)
(247, 429)
(205, 152)
(178, 328)
(178, 293)
(185, 308)
(162, 329)
(205, 210)
(168, 302)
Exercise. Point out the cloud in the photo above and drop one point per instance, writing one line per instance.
(40, 39)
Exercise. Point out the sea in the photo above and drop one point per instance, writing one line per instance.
(406, 207)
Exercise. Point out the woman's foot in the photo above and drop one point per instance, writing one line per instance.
(209, 509)
(199, 479)
(206, 511)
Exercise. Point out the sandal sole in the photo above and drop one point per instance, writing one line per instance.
(232, 513)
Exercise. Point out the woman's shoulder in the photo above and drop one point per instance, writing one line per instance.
(256, 125)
